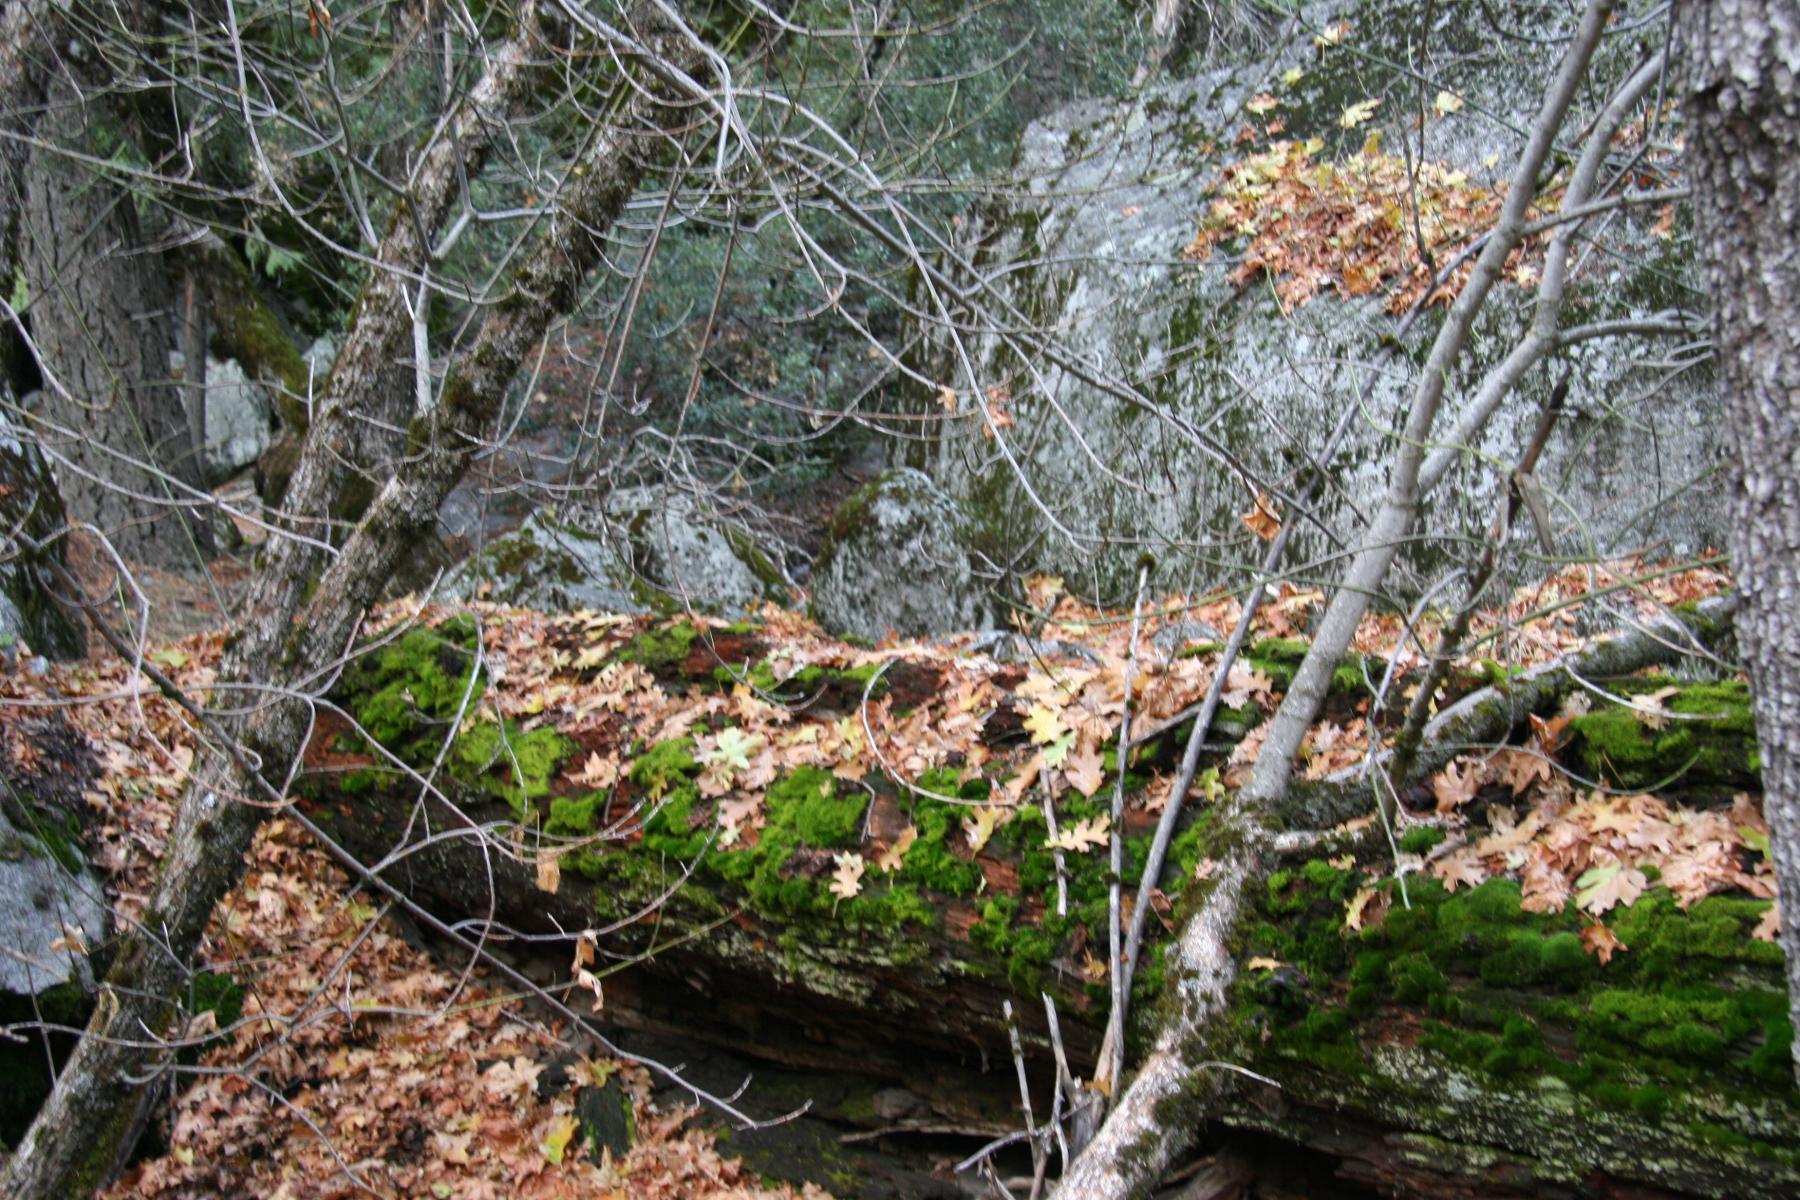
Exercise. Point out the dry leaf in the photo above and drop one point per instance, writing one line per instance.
(1263, 964)
(1045, 725)
(979, 825)
(1367, 908)
(1769, 927)
(846, 881)
(1085, 772)
(1083, 835)
(1262, 520)
(1357, 113)
(891, 859)
(549, 872)
(1604, 888)
(1601, 942)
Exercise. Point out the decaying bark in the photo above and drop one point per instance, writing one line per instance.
(298, 619)
(1742, 60)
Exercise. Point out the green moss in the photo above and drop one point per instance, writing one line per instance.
(1420, 839)
(663, 766)
(806, 801)
(574, 816)
(1280, 658)
(662, 651)
(928, 861)
(1710, 739)
(1690, 1020)
(407, 693)
(512, 763)
(672, 828)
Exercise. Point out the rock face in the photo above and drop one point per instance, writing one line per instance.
(646, 549)
(49, 904)
(1151, 398)
(30, 505)
(895, 561)
(52, 907)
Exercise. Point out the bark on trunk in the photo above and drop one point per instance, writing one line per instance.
(104, 319)
(298, 620)
(1742, 61)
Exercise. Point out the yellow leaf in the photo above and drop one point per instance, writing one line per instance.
(1447, 103)
(1333, 34)
(1044, 724)
(1357, 113)
(169, 656)
(1263, 964)
(556, 1141)
(1292, 76)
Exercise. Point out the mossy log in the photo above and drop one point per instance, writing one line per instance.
(1460, 1045)
(1465, 1046)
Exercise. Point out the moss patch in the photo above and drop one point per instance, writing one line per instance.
(1709, 740)
(1690, 1022)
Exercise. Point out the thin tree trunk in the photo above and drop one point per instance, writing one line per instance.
(1742, 61)
(1400, 508)
(1159, 1113)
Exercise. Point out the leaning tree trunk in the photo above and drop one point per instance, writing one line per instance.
(103, 318)
(1743, 109)
(299, 618)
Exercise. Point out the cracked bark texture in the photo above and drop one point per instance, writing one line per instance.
(1742, 66)
(103, 318)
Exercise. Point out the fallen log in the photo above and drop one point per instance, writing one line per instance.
(1462, 1043)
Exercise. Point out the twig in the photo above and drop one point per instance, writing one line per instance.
(1112, 1051)
(1056, 855)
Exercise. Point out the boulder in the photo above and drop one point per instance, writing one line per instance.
(895, 561)
(51, 913)
(1150, 398)
(646, 549)
(239, 419)
(30, 506)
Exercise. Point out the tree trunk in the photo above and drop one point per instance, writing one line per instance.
(104, 320)
(1742, 61)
